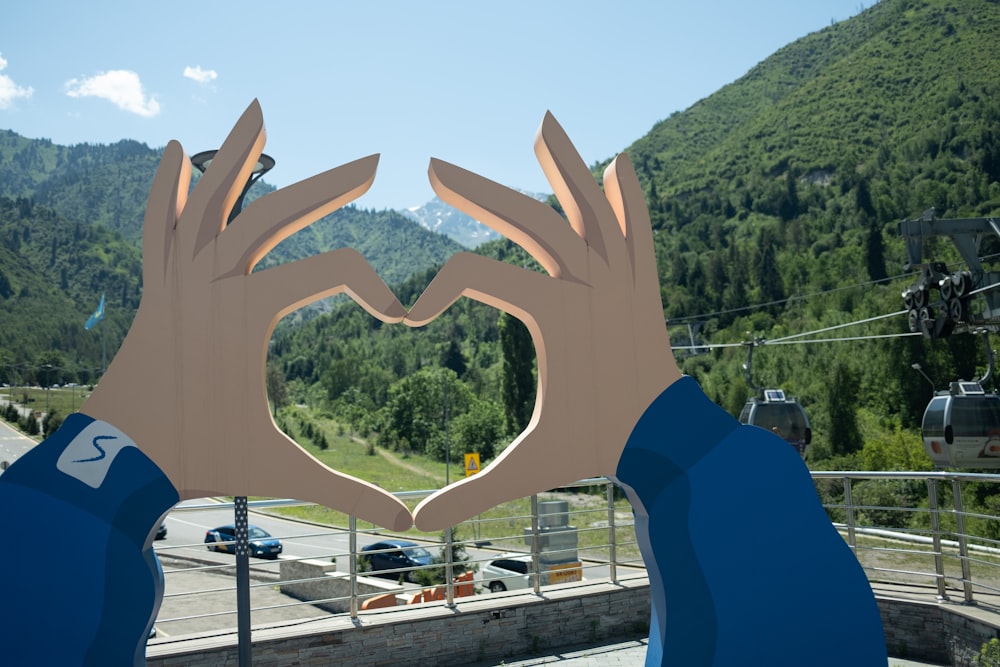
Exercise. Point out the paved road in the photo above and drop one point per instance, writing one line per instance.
(13, 443)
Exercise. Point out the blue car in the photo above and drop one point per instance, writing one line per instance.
(262, 545)
(396, 555)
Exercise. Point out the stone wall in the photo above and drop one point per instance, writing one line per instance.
(946, 633)
(495, 627)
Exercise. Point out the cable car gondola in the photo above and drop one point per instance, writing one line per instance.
(782, 416)
(772, 411)
(961, 425)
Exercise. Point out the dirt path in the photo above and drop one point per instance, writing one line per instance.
(396, 461)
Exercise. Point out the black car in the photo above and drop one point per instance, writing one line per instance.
(161, 532)
(262, 544)
(395, 555)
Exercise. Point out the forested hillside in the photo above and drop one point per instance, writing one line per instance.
(777, 199)
(52, 275)
(71, 223)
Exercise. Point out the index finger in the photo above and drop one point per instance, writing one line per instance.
(274, 217)
(527, 222)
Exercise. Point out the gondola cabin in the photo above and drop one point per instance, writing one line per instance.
(961, 427)
(782, 416)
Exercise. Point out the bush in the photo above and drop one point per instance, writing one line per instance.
(28, 424)
(434, 576)
(51, 423)
(989, 654)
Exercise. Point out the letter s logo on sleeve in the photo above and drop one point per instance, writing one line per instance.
(89, 455)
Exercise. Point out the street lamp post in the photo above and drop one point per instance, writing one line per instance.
(265, 163)
(447, 441)
(48, 390)
(919, 369)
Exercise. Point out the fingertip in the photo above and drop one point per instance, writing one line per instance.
(403, 520)
(426, 522)
(421, 314)
(550, 128)
(395, 313)
(439, 173)
(173, 146)
(415, 319)
(254, 112)
(370, 162)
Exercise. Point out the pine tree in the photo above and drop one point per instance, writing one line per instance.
(518, 378)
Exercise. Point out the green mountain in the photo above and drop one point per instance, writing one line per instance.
(52, 275)
(776, 203)
(71, 222)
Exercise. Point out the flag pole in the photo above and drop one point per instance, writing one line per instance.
(104, 350)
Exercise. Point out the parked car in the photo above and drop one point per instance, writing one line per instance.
(508, 572)
(262, 544)
(395, 555)
(161, 532)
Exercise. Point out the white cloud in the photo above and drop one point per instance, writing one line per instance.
(10, 91)
(200, 75)
(120, 87)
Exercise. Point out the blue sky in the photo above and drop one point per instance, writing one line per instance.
(467, 82)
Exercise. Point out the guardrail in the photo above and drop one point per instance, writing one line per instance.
(934, 542)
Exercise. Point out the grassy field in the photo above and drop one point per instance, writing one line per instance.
(503, 526)
(63, 400)
(896, 561)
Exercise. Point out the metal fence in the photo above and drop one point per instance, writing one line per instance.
(907, 528)
(576, 535)
(912, 528)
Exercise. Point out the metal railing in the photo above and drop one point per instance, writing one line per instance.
(906, 528)
(596, 516)
(932, 542)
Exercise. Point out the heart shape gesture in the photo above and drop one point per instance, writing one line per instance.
(187, 384)
(596, 320)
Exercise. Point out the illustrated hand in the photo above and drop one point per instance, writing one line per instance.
(188, 382)
(596, 320)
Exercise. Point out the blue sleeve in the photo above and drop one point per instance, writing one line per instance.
(745, 566)
(83, 586)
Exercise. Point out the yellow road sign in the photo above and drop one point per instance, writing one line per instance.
(471, 464)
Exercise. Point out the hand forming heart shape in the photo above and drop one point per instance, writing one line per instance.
(199, 339)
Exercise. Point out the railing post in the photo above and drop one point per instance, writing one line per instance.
(243, 581)
(612, 546)
(849, 506)
(963, 546)
(352, 543)
(449, 569)
(536, 576)
(932, 501)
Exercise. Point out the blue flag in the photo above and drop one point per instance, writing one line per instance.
(96, 317)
